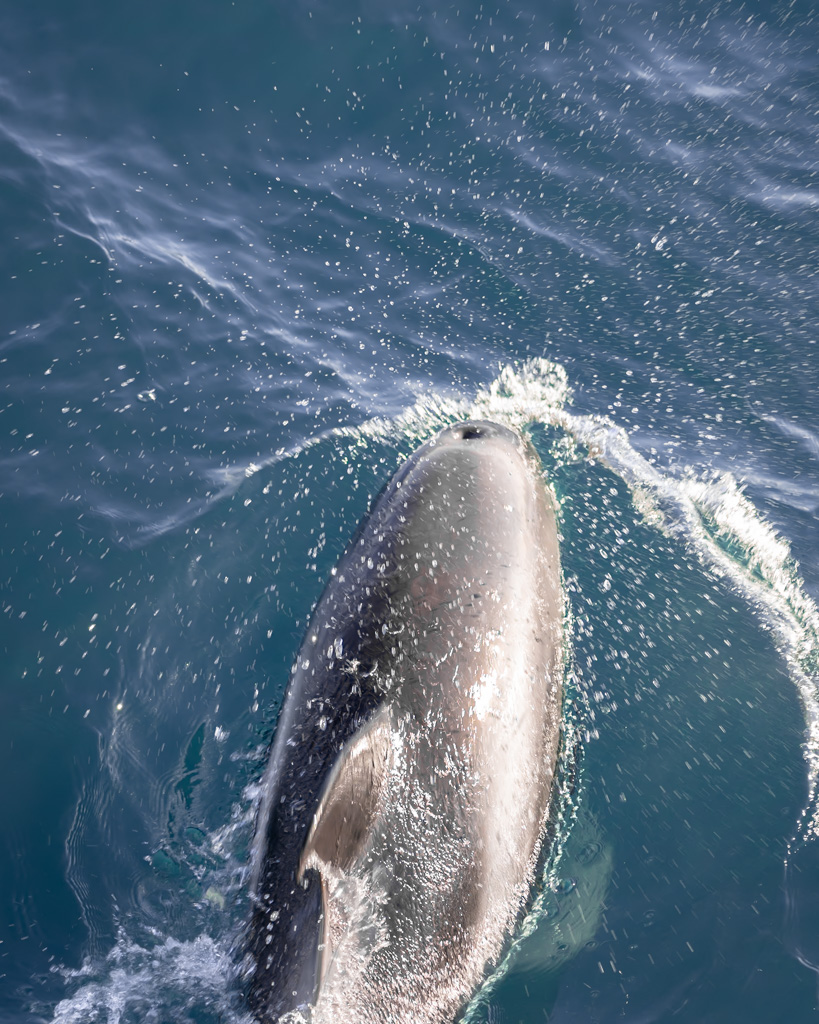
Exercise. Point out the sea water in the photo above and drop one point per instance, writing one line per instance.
(254, 254)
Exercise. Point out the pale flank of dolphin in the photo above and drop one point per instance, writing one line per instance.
(409, 780)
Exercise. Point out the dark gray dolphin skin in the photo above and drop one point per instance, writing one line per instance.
(409, 779)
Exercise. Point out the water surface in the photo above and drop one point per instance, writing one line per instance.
(253, 256)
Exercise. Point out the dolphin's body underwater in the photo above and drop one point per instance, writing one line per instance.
(409, 780)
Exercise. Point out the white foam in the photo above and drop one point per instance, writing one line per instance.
(171, 980)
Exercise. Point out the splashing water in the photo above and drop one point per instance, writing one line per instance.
(716, 520)
(188, 981)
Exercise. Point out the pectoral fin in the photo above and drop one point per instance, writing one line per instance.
(345, 815)
(350, 800)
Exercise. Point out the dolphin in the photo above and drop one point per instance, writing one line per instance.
(405, 799)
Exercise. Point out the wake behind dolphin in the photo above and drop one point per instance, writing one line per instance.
(409, 780)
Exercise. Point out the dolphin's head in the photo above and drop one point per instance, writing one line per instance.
(473, 456)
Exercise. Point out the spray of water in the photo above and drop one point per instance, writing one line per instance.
(184, 981)
(712, 516)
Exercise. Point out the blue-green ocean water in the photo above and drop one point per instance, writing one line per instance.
(253, 253)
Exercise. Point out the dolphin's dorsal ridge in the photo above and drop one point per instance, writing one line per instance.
(350, 799)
